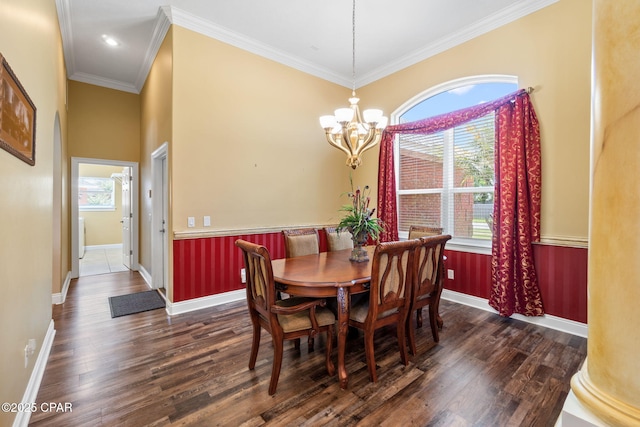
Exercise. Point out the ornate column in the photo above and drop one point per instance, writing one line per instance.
(608, 384)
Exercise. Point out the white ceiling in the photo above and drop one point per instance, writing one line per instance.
(312, 36)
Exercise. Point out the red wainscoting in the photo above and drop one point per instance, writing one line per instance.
(561, 270)
(209, 266)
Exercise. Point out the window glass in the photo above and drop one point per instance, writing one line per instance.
(447, 179)
(95, 193)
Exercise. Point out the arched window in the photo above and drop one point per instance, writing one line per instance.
(446, 179)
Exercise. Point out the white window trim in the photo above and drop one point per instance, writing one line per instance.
(457, 243)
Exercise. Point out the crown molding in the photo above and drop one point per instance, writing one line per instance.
(496, 20)
(64, 21)
(168, 15)
(194, 23)
(206, 28)
(101, 81)
(163, 22)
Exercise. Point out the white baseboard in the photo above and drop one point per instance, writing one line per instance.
(61, 296)
(548, 321)
(145, 275)
(205, 302)
(33, 386)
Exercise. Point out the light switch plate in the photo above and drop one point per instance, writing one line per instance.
(207, 221)
(191, 222)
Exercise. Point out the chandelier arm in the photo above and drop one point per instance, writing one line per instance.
(365, 140)
(374, 141)
(346, 137)
(332, 140)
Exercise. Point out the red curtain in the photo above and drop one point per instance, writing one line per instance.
(387, 205)
(516, 211)
(514, 283)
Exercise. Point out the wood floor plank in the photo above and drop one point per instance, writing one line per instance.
(152, 369)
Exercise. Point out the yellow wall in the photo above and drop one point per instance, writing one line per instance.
(248, 149)
(543, 54)
(30, 41)
(156, 100)
(103, 123)
(103, 227)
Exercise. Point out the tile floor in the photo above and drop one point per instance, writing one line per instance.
(97, 260)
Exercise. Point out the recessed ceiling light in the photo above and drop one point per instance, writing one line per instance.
(109, 40)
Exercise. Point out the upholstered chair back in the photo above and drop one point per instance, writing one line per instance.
(337, 241)
(301, 241)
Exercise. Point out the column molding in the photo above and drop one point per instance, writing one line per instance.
(608, 408)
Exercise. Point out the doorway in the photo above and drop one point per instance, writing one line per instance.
(160, 218)
(104, 216)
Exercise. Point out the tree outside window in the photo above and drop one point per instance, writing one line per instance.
(95, 193)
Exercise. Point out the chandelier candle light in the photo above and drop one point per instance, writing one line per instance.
(346, 130)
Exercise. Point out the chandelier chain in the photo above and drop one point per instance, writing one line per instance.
(353, 47)
(346, 130)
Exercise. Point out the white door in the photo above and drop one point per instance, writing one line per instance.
(126, 218)
(160, 217)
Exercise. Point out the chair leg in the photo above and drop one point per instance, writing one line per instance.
(369, 352)
(255, 345)
(296, 343)
(402, 342)
(411, 334)
(277, 364)
(439, 320)
(310, 343)
(419, 317)
(433, 314)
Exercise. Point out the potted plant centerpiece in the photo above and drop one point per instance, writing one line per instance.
(359, 221)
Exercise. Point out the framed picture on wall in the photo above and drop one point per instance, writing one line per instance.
(17, 117)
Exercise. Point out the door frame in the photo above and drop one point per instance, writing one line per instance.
(160, 209)
(135, 220)
(127, 212)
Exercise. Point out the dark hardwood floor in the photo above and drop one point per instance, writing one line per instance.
(191, 369)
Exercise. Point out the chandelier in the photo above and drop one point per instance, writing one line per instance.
(346, 130)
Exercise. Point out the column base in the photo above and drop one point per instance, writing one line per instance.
(599, 408)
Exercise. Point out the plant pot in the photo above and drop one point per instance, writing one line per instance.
(359, 252)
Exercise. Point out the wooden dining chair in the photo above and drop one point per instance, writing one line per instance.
(417, 231)
(389, 298)
(287, 319)
(337, 241)
(301, 241)
(428, 271)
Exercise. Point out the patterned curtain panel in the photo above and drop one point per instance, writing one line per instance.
(514, 282)
(387, 204)
(516, 211)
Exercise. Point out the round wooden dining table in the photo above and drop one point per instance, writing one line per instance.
(327, 274)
